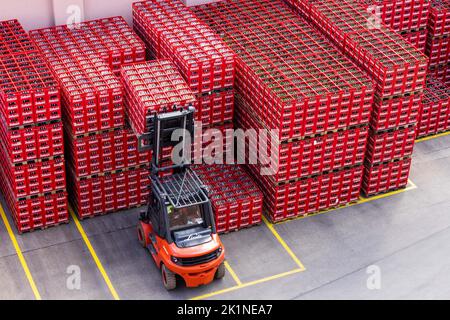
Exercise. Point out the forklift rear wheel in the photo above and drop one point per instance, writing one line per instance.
(169, 278)
(141, 236)
(220, 273)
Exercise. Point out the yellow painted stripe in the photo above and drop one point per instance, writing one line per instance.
(232, 273)
(283, 243)
(94, 255)
(411, 186)
(22, 260)
(248, 284)
(433, 137)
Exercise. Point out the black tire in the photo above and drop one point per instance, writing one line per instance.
(220, 273)
(141, 236)
(169, 279)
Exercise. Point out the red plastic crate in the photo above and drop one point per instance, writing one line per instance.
(390, 145)
(34, 177)
(417, 38)
(151, 87)
(435, 111)
(400, 15)
(110, 39)
(171, 31)
(312, 155)
(441, 72)
(386, 177)
(33, 142)
(438, 49)
(108, 151)
(294, 80)
(397, 112)
(308, 196)
(109, 192)
(14, 39)
(215, 108)
(236, 199)
(28, 91)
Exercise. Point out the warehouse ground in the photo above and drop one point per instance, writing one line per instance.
(406, 235)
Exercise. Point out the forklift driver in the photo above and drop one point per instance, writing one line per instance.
(184, 217)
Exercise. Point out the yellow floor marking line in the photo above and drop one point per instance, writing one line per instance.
(233, 274)
(248, 284)
(433, 137)
(94, 255)
(283, 244)
(411, 186)
(19, 253)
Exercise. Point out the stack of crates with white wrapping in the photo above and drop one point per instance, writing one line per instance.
(399, 71)
(172, 32)
(106, 171)
(32, 169)
(409, 18)
(315, 103)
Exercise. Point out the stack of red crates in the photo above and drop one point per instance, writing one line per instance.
(409, 18)
(171, 31)
(110, 39)
(236, 199)
(32, 171)
(316, 102)
(105, 169)
(435, 113)
(399, 71)
(438, 40)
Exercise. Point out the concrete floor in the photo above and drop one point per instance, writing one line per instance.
(405, 236)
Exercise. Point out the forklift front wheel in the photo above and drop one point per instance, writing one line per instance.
(141, 236)
(220, 273)
(169, 278)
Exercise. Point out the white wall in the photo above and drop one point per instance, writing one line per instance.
(34, 14)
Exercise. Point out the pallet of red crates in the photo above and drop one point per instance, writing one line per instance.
(391, 144)
(153, 87)
(32, 142)
(435, 111)
(104, 151)
(310, 155)
(110, 39)
(439, 19)
(394, 112)
(24, 102)
(310, 195)
(171, 30)
(109, 191)
(37, 211)
(385, 177)
(235, 197)
(417, 38)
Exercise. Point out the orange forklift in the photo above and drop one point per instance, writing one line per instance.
(178, 227)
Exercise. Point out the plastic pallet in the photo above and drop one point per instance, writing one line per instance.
(386, 177)
(170, 30)
(153, 87)
(236, 199)
(109, 192)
